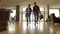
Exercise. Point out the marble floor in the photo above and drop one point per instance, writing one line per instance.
(40, 28)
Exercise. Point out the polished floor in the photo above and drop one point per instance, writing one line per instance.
(40, 28)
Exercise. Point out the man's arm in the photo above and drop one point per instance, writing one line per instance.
(30, 9)
(39, 10)
(26, 10)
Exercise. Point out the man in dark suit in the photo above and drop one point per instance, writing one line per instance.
(36, 11)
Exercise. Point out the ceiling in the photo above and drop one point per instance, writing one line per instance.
(18, 2)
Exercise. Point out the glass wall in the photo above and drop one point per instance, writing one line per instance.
(32, 15)
(55, 11)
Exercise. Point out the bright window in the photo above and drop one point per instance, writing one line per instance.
(13, 14)
(41, 8)
(55, 11)
(24, 9)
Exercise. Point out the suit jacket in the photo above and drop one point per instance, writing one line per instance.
(36, 9)
(28, 10)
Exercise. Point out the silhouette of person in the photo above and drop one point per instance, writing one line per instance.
(28, 13)
(36, 11)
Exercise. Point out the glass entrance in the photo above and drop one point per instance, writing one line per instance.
(32, 16)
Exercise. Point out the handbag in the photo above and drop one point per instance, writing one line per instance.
(41, 16)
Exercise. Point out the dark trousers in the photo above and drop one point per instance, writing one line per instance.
(36, 15)
(28, 19)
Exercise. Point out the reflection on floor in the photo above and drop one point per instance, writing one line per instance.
(41, 28)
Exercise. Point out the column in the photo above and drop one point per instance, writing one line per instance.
(17, 12)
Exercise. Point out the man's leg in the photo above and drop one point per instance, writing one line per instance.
(37, 18)
(27, 20)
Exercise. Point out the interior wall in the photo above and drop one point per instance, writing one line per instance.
(42, 3)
